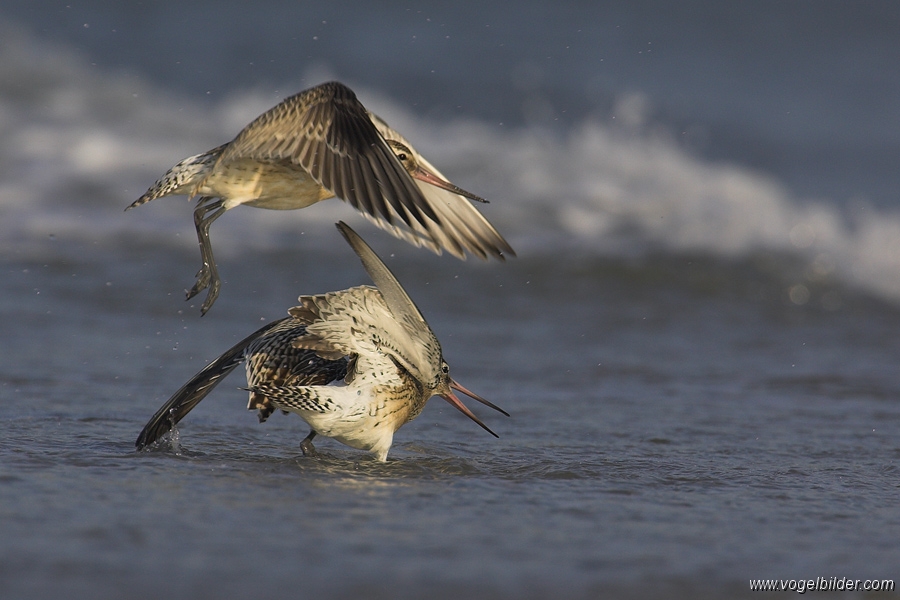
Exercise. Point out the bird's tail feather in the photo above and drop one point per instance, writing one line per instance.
(183, 178)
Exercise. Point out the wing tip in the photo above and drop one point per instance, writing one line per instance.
(149, 435)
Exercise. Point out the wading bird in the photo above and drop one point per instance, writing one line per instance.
(316, 145)
(356, 365)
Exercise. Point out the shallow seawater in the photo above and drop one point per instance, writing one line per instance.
(671, 436)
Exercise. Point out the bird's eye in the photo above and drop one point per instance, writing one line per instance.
(445, 368)
(401, 156)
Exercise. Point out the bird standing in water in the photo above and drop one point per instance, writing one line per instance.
(356, 365)
(316, 145)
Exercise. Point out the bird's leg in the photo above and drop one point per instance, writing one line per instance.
(306, 445)
(208, 276)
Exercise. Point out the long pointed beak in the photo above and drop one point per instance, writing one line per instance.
(475, 396)
(453, 400)
(429, 177)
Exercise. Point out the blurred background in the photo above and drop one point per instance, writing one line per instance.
(617, 126)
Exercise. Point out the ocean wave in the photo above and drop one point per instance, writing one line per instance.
(80, 144)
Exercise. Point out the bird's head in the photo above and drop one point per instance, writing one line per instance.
(444, 386)
(409, 158)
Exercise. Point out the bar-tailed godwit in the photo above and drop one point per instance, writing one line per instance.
(356, 365)
(316, 145)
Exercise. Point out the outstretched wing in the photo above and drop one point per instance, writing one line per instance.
(462, 227)
(271, 361)
(395, 297)
(197, 387)
(410, 336)
(327, 131)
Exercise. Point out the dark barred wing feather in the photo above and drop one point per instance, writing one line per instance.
(197, 387)
(327, 131)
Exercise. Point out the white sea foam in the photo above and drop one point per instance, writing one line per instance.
(77, 145)
(615, 191)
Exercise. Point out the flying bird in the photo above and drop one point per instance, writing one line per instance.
(356, 365)
(319, 144)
